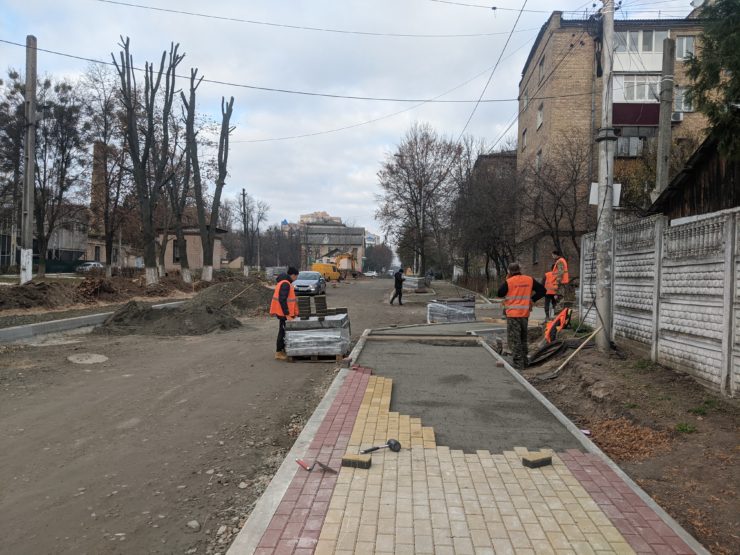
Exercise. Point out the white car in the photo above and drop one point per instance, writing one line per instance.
(371, 273)
(89, 267)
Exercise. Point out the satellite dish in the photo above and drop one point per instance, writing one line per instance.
(696, 3)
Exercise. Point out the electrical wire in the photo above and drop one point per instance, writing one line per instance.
(303, 27)
(490, 77)
(282, 90)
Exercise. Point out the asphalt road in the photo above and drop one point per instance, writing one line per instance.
(118, 457)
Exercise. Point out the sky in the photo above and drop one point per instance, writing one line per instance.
(331, 171)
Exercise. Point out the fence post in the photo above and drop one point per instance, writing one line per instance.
(581, 277)
(728, 293)
(659, 227)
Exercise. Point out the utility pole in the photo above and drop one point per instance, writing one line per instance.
(664, 123)
(605, 213)
(29, 162)
(245, 266)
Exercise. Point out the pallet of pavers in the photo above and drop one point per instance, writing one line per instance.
(451, 310)
(318, 336)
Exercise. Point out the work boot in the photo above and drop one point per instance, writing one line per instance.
(280, 355)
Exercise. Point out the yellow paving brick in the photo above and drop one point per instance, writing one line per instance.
(441, 536)
(325, 547)
(329, 531)
(558, 540)
(404, 536)
(597, 541)
(423, 544)
(621, 548)
(366, 533)
(364, 547)
(542, 547)
(385, 542)
(582, 548)
(480, 538)
(611, 534)
(497, 530)
(502, 546)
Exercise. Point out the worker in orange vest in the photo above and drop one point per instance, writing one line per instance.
(284, 306)
(560, 267)
(551, 294)
(519, 293)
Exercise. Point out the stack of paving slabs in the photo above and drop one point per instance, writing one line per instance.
(318, 336)
(451, 310)
(415, 284)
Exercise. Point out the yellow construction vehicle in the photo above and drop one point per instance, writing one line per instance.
(347, 264)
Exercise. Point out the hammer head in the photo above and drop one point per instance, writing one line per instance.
(394, 445)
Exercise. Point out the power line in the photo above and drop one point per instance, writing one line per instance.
(475, 108)
(302, 27)
(282, 90)
(501, 8)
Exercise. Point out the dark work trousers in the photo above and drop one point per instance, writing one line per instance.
(550, 304)
(516, 331)
(397, 293)
(281, 335)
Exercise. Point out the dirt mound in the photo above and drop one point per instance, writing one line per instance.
(238, 297)
(139, 319)
(212, 309)
(624, 441)
(36, 295)
(97, 289)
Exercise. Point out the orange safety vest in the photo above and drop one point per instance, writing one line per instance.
(557, 324)
(276, 309)
(518, 300)
(566, 277)
(551, 286)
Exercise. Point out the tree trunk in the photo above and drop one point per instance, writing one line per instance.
(207, 273)
(109, 254)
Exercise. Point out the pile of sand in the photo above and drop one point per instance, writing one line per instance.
(210, 310)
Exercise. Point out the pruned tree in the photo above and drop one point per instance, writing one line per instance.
(61, 149)
(207, 223)
(148, 114)
(378, 258)
(281, 248)
(110, 178)
(416, 186)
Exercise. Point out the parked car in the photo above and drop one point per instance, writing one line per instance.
(371, 273)
(309, 283)
(89, 267)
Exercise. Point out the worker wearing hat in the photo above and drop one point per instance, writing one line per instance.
(284, 306)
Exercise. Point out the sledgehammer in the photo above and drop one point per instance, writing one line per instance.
(391, 444)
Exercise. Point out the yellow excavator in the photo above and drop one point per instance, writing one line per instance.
(347, 264)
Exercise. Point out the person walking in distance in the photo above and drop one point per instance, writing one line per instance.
(560, 268)
(398, 277)
(519, 292)
(284, 306)
(551, 294)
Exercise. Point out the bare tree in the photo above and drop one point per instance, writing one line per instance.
(416, 186)
(148, 136)
(60, 157)
(207, 225)
(555, 192)
(110, 181)
(253, 213)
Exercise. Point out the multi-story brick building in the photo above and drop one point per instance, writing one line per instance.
(560, 109)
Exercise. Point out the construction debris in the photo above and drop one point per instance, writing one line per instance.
(451, 310)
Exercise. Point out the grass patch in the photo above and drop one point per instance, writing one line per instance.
(631, 406)
(705, 407)
(685, 428)
(583, 328)
(701, 410)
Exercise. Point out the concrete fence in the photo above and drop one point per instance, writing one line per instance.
(675, 293)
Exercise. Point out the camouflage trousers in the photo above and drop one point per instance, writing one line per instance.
(516, 336)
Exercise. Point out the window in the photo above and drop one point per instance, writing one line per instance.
(647, 41)
(542, 69)
(538, 160)
(524, 139)
(658, 38)
(540, 115)
(641, 88)
(680, 102)
(631, 140)
(97, 254)
(684, 47)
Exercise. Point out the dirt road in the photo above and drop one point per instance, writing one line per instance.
(119, 457)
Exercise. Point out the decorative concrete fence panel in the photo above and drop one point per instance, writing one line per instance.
(675, 292)
(587, 284)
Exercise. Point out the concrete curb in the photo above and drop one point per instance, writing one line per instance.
(591, 447)
(249, 536)
(17, 333)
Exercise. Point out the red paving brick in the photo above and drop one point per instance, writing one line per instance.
(639, 524)
(296, 525)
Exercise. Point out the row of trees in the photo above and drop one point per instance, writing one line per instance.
(447, 202)
(149, 175)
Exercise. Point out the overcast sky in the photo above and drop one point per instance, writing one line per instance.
(335, 171)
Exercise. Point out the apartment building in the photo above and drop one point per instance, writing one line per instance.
(560, 108)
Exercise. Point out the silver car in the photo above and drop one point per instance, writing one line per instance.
(309, 283)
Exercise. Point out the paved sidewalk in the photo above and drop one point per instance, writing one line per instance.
(429, 498)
